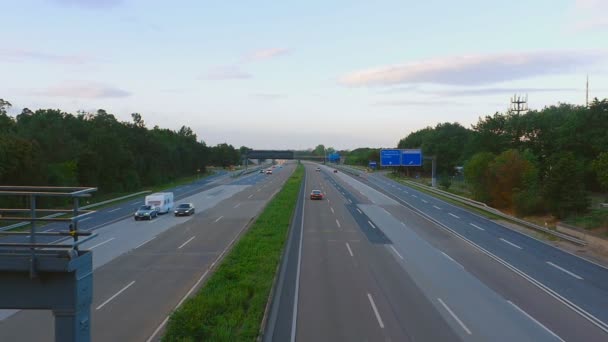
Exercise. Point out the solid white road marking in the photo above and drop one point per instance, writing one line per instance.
(398, 254)
(447, 308)
(454, 261)
(296, 296)
(350, 251)
(476, 226)
(371, 301)
(565, 270)
(113, 210)
(453, 215)
(237, 205)
(535, 321)
(185, 243)
(338, 223)
(436, 207)
(510, 243)
(102, 243)
(371, 224)
(360, 212)
(115, 295)
(84, 219)
(219, 218)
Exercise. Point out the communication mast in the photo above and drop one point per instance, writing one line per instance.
(587, 93)
(519, 104)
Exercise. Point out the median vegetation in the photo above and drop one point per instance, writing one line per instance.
(230, 306)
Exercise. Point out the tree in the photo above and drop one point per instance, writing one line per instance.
(6, 122)
(564, 187)
(508, 171)
(478, 177)
(138, 120)
(600, 166)
(319, 150)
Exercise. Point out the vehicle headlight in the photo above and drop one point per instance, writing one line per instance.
(175, 212)
(147, 214)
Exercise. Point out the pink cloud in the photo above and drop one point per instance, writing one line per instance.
(81, 89)
(475, 69)
(22, 55)
(265, 54)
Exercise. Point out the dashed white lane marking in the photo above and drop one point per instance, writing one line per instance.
(102, 243)
(425, 201)
(185, 243)
(454, 261)
(371, 224)
(447, 308)
(350, 251)
(250, 196)
(338, 223)
(510, 243)
(396, 252)
(219, 218)
(360, 212)
(476, 226)
(332, 210)
(565, 270)
(237, 205)
(145, 242)
(535, 321)
(436, 207)
(371, 302)
(115, 295)
(113, 210)
(453, 215)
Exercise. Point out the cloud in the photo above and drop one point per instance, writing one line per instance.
(270, 96)
(229, 72)
(492, 91)
(429, 103)
(82, 89)
(21, 55)
(89, 3)
(589, 16)
(261, 55)
(476, 69)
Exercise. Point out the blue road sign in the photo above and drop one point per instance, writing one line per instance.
(412, 157)
(390, 157)
(373, 164)
(334, 157)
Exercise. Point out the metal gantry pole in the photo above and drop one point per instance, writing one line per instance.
(33, 237)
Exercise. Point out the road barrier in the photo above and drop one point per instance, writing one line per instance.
(486, 208)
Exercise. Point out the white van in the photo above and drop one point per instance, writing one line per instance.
(161, 201)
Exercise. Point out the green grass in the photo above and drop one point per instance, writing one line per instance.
(230, 306)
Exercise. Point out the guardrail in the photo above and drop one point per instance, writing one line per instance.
(21, 224)
(485, 207)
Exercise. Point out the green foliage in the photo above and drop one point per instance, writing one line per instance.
(600, 166)
(362, 156)
(445, 181)
(319, 150)
(564, 187)
(231, 304)
(477, 175)
(52, 147)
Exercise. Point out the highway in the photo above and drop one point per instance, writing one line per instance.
(379, 261)
(144, 269)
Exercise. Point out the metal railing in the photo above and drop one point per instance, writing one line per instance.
(31, 244)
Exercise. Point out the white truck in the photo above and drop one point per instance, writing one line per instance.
(161, 201)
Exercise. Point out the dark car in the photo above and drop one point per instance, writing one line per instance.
(335, 171)
(184, 209)
(145, 212)
(316, 194)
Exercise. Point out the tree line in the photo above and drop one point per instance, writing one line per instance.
(542, 161)
(52, 147)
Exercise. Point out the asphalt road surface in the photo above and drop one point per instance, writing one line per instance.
(144, 269)
(364, 264)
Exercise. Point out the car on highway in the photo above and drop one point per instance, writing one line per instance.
(269, 172)
(335, 171)
(318, 169)
(316, 195)
(145, 212)
(184, 209)
(262, 171)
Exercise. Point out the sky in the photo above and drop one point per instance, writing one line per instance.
(295, 74)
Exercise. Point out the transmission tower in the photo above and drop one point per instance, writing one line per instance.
(519, 104)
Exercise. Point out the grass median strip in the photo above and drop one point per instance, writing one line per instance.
(230, 306)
